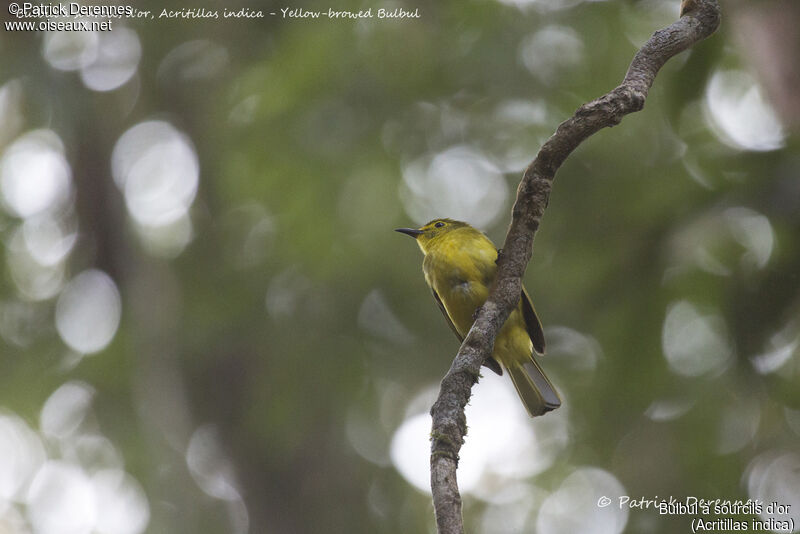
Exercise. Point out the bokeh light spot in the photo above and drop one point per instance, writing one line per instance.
(88, 312)
(740, 115)
(121, 503)
(11, 99)
(774, 477)
(21, 455)
(694, 344)
(118, 54)
(573, 507)
(61, 500)
(774, 359)
(502, 445)
(738, 426)
(156, 167)
(34, 175)
(167, 240)
(70, 50)
(460, 183)
(715, 239)
(65, 409)
(551, 51)
(47, 241)
(410, 452)
(22, 322)
(754, 232)
(367, 438)
(668, 409)
(213, 471)
(33, 280)
(579, 351)
(93, 452)
(209, 466)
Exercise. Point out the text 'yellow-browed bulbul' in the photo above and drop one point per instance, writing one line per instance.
(459, 267)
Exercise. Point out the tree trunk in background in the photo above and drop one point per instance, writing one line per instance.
(768, 37)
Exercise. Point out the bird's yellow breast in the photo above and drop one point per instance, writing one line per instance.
(460, 266)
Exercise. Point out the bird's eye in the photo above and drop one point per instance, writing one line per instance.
(439, 224)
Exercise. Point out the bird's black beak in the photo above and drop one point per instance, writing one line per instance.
(413, 232)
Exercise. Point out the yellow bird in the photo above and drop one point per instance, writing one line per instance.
(459, 267)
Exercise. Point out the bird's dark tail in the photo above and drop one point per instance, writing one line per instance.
(534, 389)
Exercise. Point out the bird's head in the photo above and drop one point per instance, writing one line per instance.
(432, 232)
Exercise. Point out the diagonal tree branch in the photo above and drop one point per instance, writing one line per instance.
(699, 19)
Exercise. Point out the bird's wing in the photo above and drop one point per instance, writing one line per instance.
(532, 324)
(490, 362)
(446, 315)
